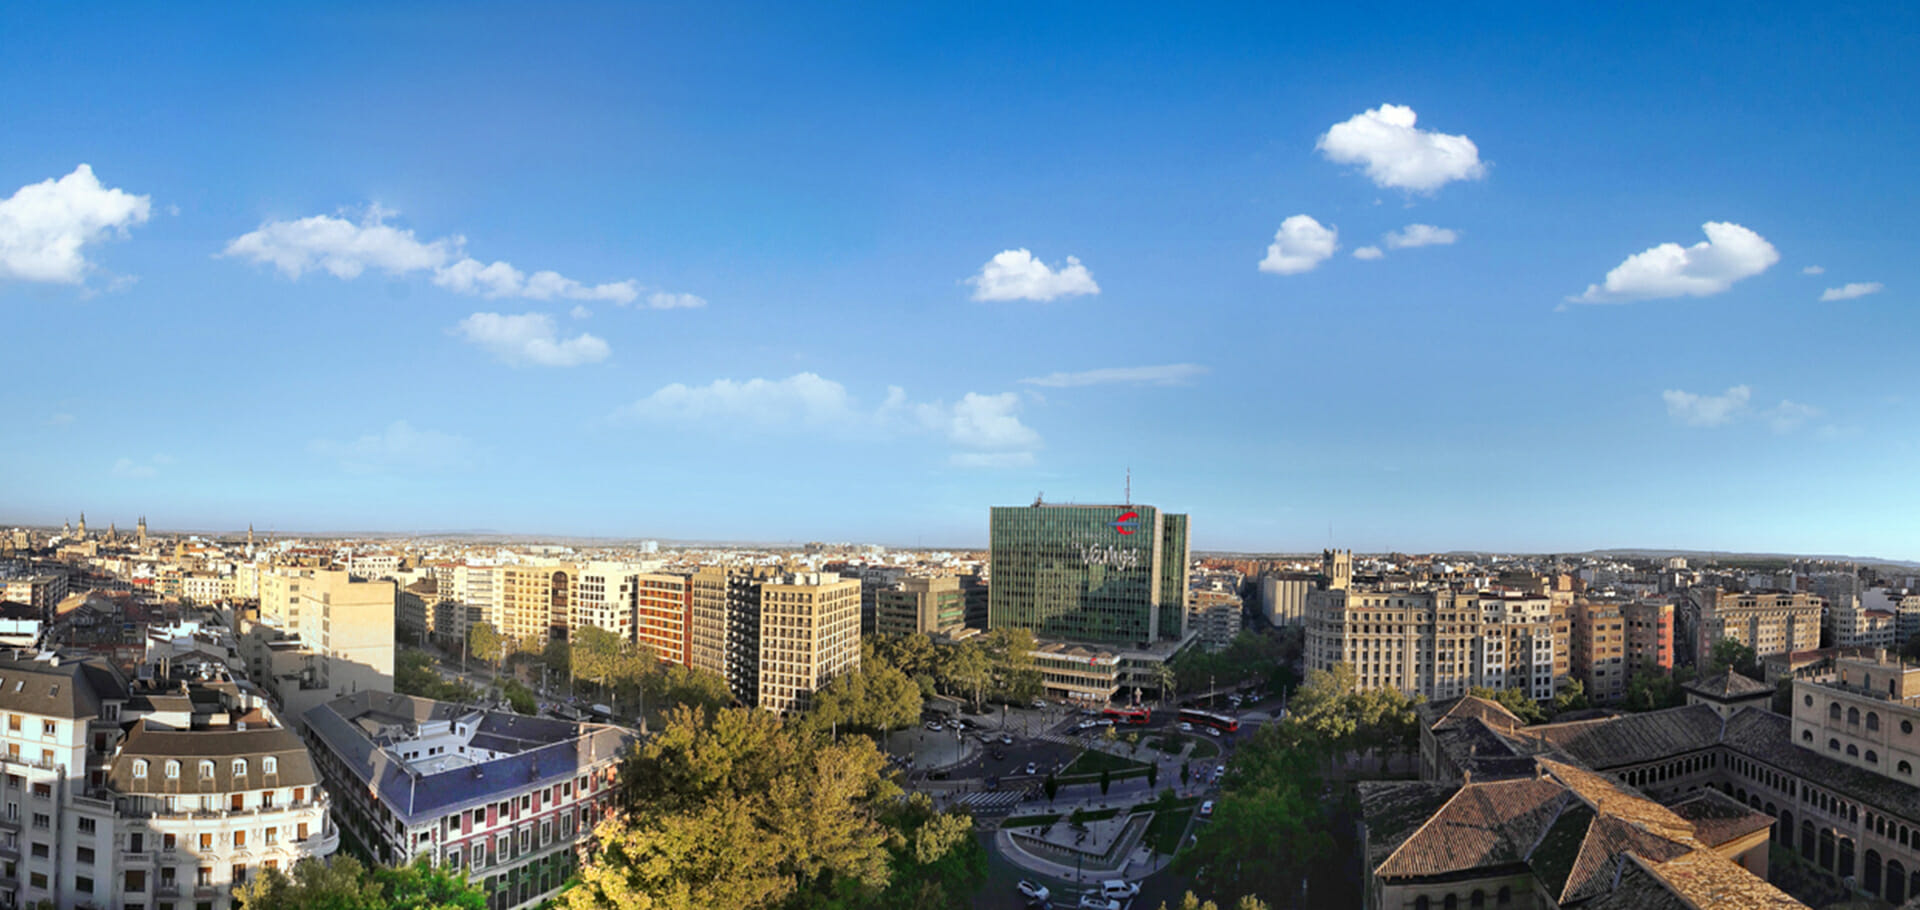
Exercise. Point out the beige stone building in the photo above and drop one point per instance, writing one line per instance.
(920, 605)
(535, 601)
(321, 633)
(809, 633)
(1774, 622)
(1436, 642)
(1599, 658)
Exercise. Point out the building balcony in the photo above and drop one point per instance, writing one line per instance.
(322, 844)
(143, 858)
(167, 889)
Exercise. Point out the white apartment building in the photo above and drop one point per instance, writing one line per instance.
(1437, 642)
(604, 597)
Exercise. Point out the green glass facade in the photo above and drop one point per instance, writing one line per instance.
(1112, 574)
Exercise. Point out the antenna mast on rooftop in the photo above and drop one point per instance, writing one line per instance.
(1129, 499)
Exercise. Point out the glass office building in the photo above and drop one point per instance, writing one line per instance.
(1113, 574)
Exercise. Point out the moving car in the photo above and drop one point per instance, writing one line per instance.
(1038, 704)
(935, 726)
(1033, 768)
(1006, 739)
(1219, 771)
(1033, 891)
(1094, 900)
(1213, 731)
(1119, 889)
(1206, 809)
(1186, 727)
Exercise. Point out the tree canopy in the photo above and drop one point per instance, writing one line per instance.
(1269, 827)
(1515, 699)
(343, 883)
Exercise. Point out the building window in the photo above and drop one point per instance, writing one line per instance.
(1853, 751)
(1833, 745)
(1806, 736)
(140, 769)
(86, 826)
(1872, 758)
(206, 769)
(1906, 767)
(173, 769)
(239, 767)
(83, 884)
(1833, 711)
(136, 880)
(84, 855)
(1873, 720)
(1906, 728)
(270, 765)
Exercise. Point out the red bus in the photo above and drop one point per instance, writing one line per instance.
(1219, 722)
(1132, 717)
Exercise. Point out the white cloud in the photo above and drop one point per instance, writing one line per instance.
(981, 421)
(661, 300)
(991, 459)
(345, 248)
(501, 279)
(1707, 410)
(1813, 270)
(138, 470)
(1168, 374)
(1368, 252)
(45, 225)
(1300, 245)
(809, 403)
(1787, 416)
(340, 247)
(530, 339)
(1398, 155)
(579, 312)
(1420, 235)
(1851, 290)
(1017, 275)
(1729, 253)
(399, 446)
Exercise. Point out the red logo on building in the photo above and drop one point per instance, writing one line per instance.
(1126, 523)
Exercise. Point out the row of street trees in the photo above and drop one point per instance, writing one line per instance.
(994, 666)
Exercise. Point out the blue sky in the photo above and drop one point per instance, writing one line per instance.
(860, 273)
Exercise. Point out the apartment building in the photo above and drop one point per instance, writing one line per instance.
(535, 601)
(1215, 616)
(1283, 597)
(1649, 634)
(604, 597)
(1435, 642)
(663, 614)
(725, 632)
(1599, 659)
(1769, 622)
(809, 633)
(160, 794)
(511, 800)
(919, 605)
(320, 633)
(39, 590)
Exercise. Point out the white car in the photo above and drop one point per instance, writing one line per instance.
(1213, 731)
(1119, 890)
(1006, 739)
(1033, 891)
(1186, 727)
(1206, 809)
(934, 725)
(1093, 900)
(1033, 768)
(1219, 771)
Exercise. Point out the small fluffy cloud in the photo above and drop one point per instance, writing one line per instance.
(1396, 154)
(45, 226)
(1851, 290)
(661, 300)
(987, 426)
(1168, 374)
(1707, 410)
(1368, 252)
(345, 248)
(529, 339)
(398, 447)
(1017, 275)
(1813, 270)
(342, 248)
(1420, 235)
(1729, 253)
(1300, 245)
(1788, 416)
(133, 469)
(501, 279)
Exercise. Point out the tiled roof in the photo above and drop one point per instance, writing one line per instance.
(1728, 685)
(1483, 825)
(1718, 818)
(156, 746)
(1768, 737)
(1634, 738)
(1448, 713)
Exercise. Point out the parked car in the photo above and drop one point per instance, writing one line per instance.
(1119, 890)
(1033, 768)
(1213, 731)
(1033, 891)
(1094, 900)
(1219, 771)
(1206, 809)
(1038, 704)
(1006, 739)
(1186, 727)
(935, 726)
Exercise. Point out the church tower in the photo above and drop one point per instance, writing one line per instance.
(140, 532)
(82, 533)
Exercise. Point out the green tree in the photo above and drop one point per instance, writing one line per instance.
(1051, 785)
(1910, 651)
(1192, 902)
(343, 883)
(1166, 680)
(1269, 827)
(967, 670)
(741, 810)
(1153, 774)
(1516, 700)
(1106, 780)
(485, 643)
(1571, 697)
(1324, 705)
(1651, 688)
(519, 697)
(875, 698)
(1728, 654)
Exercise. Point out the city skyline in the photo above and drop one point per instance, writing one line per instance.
(1522, 283)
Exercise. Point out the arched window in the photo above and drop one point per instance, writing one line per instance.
(1786, 829)
(1873, 720)
(239, 767)
(140, 769)
(1853, 716)
(1853, 751)
(1845, 868)
(1833, 711)
(270, 765)
(1906, 767)
(206, 769)
(1870, 876)
(1806, 736)
(173, 769)
(1808, 841)
(1477, 899)
(1807, 700)
(1906, 728)
(1505, 896)
(1896, 890)
(1450, 902)
(1873, 758)
(1422, 903)
(1833, 745)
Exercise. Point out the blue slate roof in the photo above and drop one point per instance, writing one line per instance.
(545, 751)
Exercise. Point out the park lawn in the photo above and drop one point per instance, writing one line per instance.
(1094, 761)
(1040, 821)
(1163, 833)
(1204, 747)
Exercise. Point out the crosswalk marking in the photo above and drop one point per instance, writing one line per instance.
(996, 799)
